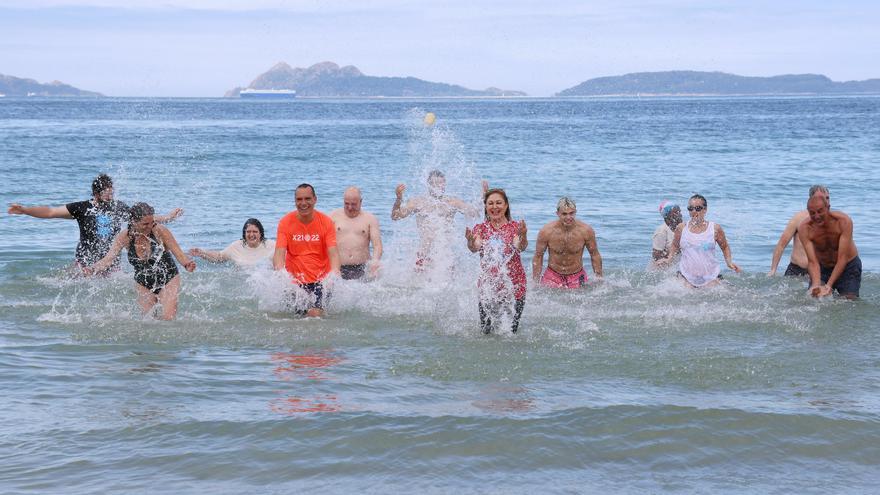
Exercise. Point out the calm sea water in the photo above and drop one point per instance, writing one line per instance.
(633, 385)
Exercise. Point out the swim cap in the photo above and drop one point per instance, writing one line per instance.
(666, 208)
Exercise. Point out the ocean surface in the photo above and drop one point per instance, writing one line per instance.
(632, 385)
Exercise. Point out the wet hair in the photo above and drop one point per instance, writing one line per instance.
(256, 223)
(436, 173)
(100, 183)
(503, 195)
(140, 210)
(818, 188)
(305, 185)
(701, 198)
(566, 202)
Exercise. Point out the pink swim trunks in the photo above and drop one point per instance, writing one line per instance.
(560, 281)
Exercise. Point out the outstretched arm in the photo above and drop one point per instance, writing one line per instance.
(170, 243)
(104, 263)
(466, 209)
(170, 217)
(721, 239)
(784, 239)
(40, 211)
(212, 256)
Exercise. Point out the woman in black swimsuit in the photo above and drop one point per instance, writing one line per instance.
(149, 244)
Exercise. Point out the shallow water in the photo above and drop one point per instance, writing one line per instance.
(635, 384)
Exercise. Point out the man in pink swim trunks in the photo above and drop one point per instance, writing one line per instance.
(566, 239)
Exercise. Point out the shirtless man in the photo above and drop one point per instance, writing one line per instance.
(355, 231)
(797, 265)
(566, 239)
(434, 214)
(832, 258)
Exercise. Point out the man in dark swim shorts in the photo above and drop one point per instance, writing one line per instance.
(827, 237)
(356, 231)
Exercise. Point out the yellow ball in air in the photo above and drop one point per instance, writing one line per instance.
(430, 118)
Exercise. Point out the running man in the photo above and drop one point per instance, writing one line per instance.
(832, 257)
(797, 265)
(566, 239)
(99, 220)
(434, 214)
(355, 231)
(306, 247)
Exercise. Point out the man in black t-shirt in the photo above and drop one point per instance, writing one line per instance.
(99, 219)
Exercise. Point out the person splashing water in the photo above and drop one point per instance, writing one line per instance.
(502, 281)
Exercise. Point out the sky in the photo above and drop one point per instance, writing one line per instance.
(203, 48)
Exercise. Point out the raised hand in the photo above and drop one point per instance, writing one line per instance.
(474, 240)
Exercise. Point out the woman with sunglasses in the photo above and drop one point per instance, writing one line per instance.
(502, 280)
(696, 241)
(155, 273)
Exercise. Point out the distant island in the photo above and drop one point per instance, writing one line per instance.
(17, 86)
(693, 83)
(327, 79)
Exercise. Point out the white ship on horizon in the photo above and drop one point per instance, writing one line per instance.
(267, 93)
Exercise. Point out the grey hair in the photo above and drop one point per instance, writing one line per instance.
(566, 202)
(819, 188)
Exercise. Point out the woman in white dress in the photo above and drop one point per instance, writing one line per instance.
(696, 241)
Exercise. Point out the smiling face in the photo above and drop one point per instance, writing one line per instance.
(496, 207)
(697, 210)
(252, 236)
(305, 201)
(566, 216)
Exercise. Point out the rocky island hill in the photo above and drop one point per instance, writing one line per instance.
(694, 83)
(327, 79)
(17, 86)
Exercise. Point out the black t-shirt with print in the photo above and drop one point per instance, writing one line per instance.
(98, 225)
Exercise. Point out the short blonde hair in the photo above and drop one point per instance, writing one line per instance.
(566, 202)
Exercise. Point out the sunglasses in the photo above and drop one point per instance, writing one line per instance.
(695, 208)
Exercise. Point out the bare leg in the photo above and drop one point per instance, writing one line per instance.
(315, 313)
(145, 298)
(168, 298)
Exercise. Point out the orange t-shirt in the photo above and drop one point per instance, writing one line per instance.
(307, 246)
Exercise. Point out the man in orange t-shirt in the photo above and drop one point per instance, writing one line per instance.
(306, 247)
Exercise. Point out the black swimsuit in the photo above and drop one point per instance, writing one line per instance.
(154, 272)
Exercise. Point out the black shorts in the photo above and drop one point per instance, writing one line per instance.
(796, 271)
(850, 280)
(316, 290)
(352, 272)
